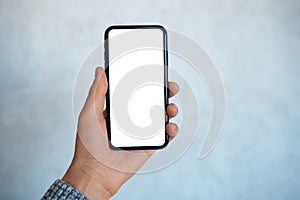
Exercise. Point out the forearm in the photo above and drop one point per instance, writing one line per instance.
(76, 185)
(83, 181)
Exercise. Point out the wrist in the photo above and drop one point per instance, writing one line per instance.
(83, 180)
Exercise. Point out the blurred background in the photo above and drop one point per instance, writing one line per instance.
(255, 45)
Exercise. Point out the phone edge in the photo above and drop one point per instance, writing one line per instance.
(166, 95)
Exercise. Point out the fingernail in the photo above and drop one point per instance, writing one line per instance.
(96, 72)
(173, 127)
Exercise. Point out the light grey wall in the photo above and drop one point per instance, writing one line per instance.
(255, 44)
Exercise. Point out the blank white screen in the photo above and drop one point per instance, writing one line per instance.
(142, 98)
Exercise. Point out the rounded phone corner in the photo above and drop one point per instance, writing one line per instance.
(163, 29)
(107, 30)
(112, 147)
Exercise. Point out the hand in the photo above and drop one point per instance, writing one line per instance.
(96, 170)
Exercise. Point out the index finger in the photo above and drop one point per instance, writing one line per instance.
(173, 89)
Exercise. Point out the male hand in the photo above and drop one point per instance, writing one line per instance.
(96, 170)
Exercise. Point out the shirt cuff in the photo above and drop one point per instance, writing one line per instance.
(62, 190)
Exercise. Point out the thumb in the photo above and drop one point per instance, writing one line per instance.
(98, 90)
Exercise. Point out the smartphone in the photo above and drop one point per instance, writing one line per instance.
(136, 66)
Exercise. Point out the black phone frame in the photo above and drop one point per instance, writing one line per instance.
(166, 90)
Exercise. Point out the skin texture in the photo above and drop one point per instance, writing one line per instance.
(96, 170)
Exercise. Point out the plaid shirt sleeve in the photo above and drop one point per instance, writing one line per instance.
(60, 190)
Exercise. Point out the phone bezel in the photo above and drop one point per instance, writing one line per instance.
(166, 96)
